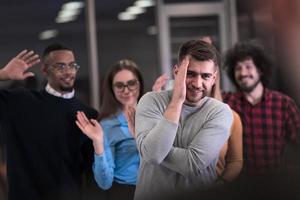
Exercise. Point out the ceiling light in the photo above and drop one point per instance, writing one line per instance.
(126, 16)
(144, 3)
(48, 34)
(68, 13)
(65, 19)
(73, 5)
(134, 10)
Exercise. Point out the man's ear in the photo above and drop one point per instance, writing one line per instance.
(216, 77)
(175, 70)
(44, 69)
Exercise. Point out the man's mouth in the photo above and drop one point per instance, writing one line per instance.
(245, 78)
(195, 91)
(68, 79)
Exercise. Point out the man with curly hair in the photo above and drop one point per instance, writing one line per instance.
(270, 119)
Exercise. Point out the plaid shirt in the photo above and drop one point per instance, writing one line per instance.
(267, 127)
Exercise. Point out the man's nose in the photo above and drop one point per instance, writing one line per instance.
(243, 71)
(198, 82)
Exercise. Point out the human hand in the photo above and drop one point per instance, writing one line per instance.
(179, 92)
(160, 82)
(130, 117)
(92, 129)
(16, 68)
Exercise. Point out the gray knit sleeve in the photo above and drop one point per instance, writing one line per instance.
(155, 134)
(205, 146)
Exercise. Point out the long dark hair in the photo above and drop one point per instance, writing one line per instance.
(109, 105)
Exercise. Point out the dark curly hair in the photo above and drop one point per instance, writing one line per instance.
(249, 50)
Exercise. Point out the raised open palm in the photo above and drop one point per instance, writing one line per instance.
(160, 82)
(17, 67)
(179, 92)
(90, 128)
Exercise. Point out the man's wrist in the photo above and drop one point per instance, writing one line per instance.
(175, 107)
(176, 103)
(173, 111)
(3, 75)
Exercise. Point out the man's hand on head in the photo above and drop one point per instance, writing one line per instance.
(179, 93)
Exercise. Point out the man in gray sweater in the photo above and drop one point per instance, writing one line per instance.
(181, 132)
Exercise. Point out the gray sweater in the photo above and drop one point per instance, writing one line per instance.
(180, 156)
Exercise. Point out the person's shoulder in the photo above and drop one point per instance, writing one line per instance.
(12, 96)
(232, 98)
(109, 121)
(278, 95)
(229, 95)
(90, 111)
(217, 103)
(236, 116)
(280, 98)
(25, 93)
(217, 109)
(162, 96)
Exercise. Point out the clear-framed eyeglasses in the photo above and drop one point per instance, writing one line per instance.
(64, 66)
(131, 85)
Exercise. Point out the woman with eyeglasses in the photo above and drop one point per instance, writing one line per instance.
(116, 156)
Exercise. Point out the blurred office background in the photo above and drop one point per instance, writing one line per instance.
(148, 32)
(150, 35)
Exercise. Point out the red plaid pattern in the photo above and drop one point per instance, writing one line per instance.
(267, 127)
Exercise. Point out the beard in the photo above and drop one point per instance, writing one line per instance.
(249, 88)
(65, 88)
(194, 99)
(67, 85)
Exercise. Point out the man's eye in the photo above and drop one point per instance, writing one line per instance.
(59, 65)
(73, 65)
(190, 74)
(206, 76)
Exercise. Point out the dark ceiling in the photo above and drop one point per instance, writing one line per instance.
(26, 19)
(22, 21)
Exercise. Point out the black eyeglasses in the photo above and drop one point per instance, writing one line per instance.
(63, 66)
(131, 85)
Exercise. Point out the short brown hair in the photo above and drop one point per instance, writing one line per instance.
(199, 50)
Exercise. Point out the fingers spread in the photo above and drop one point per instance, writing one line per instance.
(21, 54)
(28, 74)
(27, 55)
(33, 60)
